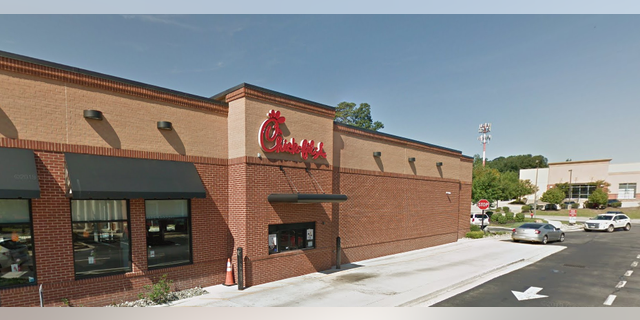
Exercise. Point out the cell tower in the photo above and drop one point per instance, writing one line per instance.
(484, 138)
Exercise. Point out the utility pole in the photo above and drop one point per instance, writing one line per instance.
(570, 189)
(484, 128)
(535, 195)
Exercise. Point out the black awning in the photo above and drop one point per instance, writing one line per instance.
(306, 197)
(18, 175)
(100, 177)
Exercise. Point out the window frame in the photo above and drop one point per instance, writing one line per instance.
(128, 220)
(292, 226)
(189, 221)
(33, 249)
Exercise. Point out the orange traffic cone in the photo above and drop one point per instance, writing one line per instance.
(229, 281)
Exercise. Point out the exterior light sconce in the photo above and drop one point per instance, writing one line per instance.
(377, 154)
(164, 125)
(438, 164)
(448, 192)
(93, 114)
(412, 159)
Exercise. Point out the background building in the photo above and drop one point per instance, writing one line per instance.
(624, 179)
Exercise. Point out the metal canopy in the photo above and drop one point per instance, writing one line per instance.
(306, 197)
(18, 174)
(100, 177)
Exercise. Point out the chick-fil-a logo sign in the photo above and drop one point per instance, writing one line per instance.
(271, 134)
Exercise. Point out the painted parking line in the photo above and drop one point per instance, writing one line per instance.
(628, 273)
(638, 256)
(620, 284)
(634, 264)
(609, 300)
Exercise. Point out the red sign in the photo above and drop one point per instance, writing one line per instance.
(270, 132)
(483, 204)
(573, 213)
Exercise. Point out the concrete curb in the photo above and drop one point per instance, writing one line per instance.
(434, 295)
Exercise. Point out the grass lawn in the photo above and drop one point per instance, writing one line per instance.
(633, 213)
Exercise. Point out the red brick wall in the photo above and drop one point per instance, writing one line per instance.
(262, 180)
(54, 250)
(392, 213)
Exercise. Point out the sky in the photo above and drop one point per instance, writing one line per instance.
(562, 86)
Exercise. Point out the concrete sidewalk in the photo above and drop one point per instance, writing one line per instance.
(417, 278)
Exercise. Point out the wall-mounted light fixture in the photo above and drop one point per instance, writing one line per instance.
(412, 159)
(164, 125)
(93, 114)
(377, 154)
(448, 192)
(438, 164)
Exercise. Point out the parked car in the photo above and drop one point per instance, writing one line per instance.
(608, 221)
(614, 203)
(574, 205)
(537, 232)
(12, 252)
(550, 206)
(476, 218)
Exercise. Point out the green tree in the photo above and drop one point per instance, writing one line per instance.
(486, 184)
(554, 195)
(349, 114)
(514, 188)
(598, 197)
(517, 162)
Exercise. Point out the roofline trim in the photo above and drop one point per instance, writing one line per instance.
(340, 127)
(578, 162)
(40, 68)
(246, 90)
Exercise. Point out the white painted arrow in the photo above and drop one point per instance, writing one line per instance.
(531, 293)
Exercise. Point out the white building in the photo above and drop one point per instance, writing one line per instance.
(624, 179)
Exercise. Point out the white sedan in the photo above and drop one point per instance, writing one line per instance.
(608, 221)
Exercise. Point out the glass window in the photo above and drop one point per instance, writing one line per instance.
(627, 191)
(101, 241)
(168, 233)
(581, 191)
(286, 237)
(16, 245)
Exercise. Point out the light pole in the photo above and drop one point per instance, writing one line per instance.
(570, 189)
(535, 194)
(484, 138)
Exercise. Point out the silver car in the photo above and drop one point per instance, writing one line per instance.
(537, 232)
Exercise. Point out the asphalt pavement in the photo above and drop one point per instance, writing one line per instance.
(416, 278)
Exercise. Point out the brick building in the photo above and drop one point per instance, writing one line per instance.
(107, 184)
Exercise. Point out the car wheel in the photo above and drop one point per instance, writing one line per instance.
(514, 240)
(610, 229)
(562, 237)
(545, 240)
(587, 230)
(627, 227)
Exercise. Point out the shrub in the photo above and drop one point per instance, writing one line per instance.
(519, 217)
(509, 216)
(506, 209)
(502, 219)
(598, 197)
(475, 234)
(159, 291)
(498, 209)
(475, 227)
(616, 204)
(526, 208)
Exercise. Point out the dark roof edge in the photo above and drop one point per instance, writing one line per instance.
(468, 157)
(398, 137)
(105, 76)
(222, 95)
